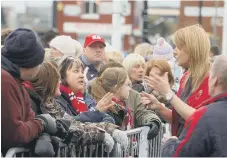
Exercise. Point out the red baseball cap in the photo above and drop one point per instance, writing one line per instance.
(93, 38)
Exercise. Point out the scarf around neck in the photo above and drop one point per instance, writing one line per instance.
(128, 119)
(77, 100)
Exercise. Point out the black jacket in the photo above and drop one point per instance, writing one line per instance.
(138, 87)
(36, 101)
(65, 103)
(204, 134)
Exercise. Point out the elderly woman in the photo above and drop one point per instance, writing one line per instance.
(135, 66)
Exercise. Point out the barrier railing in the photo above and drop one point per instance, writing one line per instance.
(17, 152)
(139, 146)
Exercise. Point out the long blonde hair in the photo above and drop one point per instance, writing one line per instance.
(196, 42)
(109, 81)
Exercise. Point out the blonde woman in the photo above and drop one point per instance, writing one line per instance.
(145, 50)
(135, 66)
(192, 53)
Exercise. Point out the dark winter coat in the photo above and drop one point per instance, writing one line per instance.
(204, 133)
(18, 123)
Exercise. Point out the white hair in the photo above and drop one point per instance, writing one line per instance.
(131, 60)
(219, 69)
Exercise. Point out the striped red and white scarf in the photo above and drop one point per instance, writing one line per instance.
(77, 100)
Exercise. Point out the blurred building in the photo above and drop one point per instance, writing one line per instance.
(37, 18)
(19, 14)
(7, 17)
(80, 18)
(212, 17)
(163, 21)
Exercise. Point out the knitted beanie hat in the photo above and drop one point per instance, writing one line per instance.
(65, 44)
(23, 49)
(162, 50)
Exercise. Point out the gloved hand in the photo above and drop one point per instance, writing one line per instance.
(48, 123)
(121, 137)
(62, 128)
(154, 130)
(44, 147)
(57, 143)
(108, 142)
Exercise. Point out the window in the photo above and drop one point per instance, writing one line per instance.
(90, 8)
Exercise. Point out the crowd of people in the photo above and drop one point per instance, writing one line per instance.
(57, 90)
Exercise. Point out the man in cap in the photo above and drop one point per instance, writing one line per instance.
(21, 56)
(93, 55)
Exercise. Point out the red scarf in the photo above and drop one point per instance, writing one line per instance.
(194, 100)
(28, 84)
(128, 120)
(77, 100)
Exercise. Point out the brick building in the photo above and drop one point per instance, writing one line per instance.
(80, 18)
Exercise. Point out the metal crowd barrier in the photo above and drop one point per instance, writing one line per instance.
(18, 152)
(86, 151)
(139, 146)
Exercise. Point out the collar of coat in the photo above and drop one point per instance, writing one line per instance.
(213, 99)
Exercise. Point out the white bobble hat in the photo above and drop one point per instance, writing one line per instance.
(162, 50)
(65, 44)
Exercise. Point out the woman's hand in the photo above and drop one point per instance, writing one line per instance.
(159, 84)
(151, 102)
(105, 103)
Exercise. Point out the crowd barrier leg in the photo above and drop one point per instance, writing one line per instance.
(17, 150)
